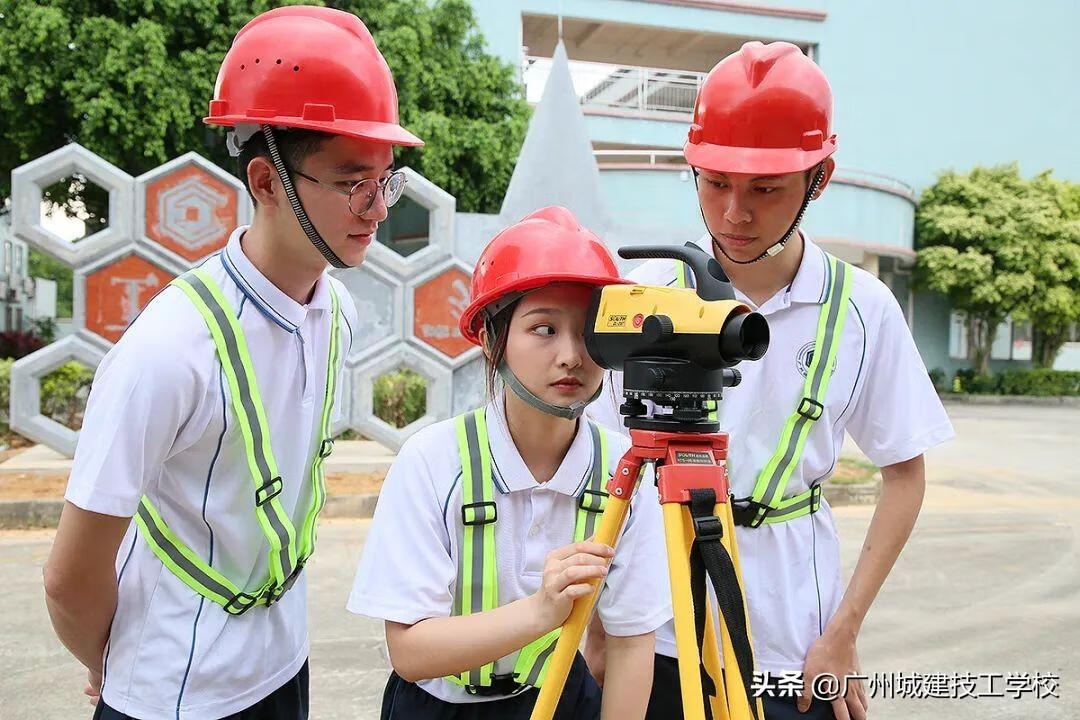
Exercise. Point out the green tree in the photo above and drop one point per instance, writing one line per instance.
(131, 79)
(995, 244)
(1055, 309)
(45, 266)
(468, 106)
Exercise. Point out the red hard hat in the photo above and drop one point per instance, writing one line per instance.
(313, 68)
(548, 246)
(764, 110)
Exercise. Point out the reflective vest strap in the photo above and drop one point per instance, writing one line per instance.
(477, 581)
(247, 407)
(804, 503)
(593, 497)
(318, 483)
(684, 278)
(285, 559)
(773, 479)
(176, 556)
(532, 661)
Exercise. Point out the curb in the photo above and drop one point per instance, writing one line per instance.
(861, 494)
(30, 514)
(1051, 401)
(27, 514)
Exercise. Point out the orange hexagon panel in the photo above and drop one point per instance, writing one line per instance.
(116, 293)
(437, 307)
(190, 212)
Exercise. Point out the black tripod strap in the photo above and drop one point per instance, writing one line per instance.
(708, 556)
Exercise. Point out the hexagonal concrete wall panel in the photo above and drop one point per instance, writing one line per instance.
(189, 207)
(363, 379)
(343, 404)
(29, 180)
(469, 386)
(380, 309)
(440, 206)
(433, 305)
(110, 292)
(26, 373)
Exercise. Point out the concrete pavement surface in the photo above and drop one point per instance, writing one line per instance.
(989, 585)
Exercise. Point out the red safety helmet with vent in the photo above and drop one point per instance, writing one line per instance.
(764, 110)
(311, 68)
(548, 246)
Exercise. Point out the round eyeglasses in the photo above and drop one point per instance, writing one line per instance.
(362, 194)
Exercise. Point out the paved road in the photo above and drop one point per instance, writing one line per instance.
(990, 583)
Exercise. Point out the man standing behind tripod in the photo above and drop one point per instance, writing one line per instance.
(760, 147)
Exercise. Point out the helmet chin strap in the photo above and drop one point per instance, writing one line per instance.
(301, 216)
(570, 412)
(779, 245)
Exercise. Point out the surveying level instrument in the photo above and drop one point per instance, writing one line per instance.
(677, 349)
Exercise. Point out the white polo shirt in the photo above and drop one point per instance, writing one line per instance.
(408, 571)
(880, 393)
(159, 422)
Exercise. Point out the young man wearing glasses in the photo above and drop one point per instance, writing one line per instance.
(209, 421)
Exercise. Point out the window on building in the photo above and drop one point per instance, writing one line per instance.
(1012, 341)
(1021, 341)
(958, 345)
(1002, 347)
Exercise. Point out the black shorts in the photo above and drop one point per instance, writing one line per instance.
(666, 699)
(408, 701)
(288, 702)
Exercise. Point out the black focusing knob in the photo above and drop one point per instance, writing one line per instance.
(658, 329)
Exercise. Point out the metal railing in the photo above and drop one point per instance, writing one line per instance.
(870, 179)
(645, 155)
(665, 158)
(621, 87)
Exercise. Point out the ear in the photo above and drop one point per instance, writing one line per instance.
(483, 335)
(830, 167)
(264, 182)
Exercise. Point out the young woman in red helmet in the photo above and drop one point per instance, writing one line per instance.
(841, 359)
(480, 542)
(210, 419)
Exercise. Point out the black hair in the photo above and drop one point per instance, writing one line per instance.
(295, 146)
(498, 332)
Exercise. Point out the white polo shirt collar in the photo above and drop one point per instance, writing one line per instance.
(271, 301)
(808, 286)
(514, 474)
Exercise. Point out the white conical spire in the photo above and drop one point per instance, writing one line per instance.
(556, 165)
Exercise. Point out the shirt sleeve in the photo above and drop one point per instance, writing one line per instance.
(141, 396)
(898, 415)
(633, 602)
(406, 571)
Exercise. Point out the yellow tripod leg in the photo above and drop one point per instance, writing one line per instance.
(738, 702)
(711, 656)
(730, 702)
(679, 533)
(562, 657)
